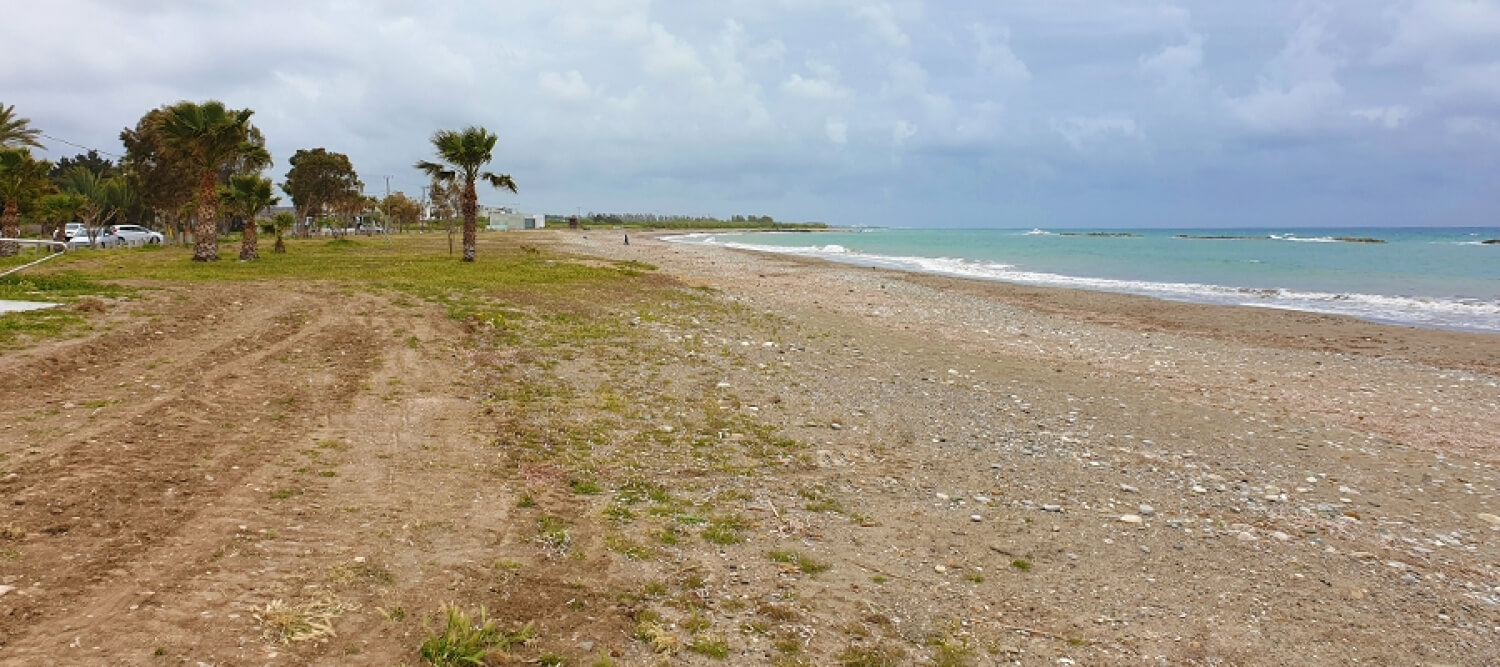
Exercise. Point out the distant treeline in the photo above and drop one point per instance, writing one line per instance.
(654, 221)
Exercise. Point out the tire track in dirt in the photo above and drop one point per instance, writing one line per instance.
(374, 489)
(96, 498)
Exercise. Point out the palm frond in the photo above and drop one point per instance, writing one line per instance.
(434, 170)
(500, 181)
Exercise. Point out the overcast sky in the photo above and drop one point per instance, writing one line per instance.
(1004, 113)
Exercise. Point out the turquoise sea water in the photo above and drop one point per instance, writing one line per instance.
(1431, 277)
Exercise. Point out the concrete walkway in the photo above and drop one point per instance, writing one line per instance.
(17, 306)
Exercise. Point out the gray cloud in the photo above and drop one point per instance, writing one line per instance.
(1071, 112)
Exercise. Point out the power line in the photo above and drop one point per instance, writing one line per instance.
(65, 141)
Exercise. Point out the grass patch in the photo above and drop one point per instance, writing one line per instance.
(725, 530)
(628, 548)
(585, 486)
(1021, 564)
(465, 641)
(806, 564)
(661, 639)
(552, 533)
(713, 647)
(871, 656)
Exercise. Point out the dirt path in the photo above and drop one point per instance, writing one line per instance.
(265, 445)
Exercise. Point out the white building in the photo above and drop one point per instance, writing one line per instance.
(504, 218)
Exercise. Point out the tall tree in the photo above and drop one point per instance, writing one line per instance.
(163, 181)
(210, 138)
(246, 196)
(401, 210)
(462, 154)
(320, 179)
(444, 199)
(16, 132)
(23, 179)
(101, 166)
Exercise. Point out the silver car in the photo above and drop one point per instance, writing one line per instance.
(128, 235)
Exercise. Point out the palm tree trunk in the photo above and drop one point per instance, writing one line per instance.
(280, 245)
(249, 243)
(206, 233)
(10, 227)
(471, 214)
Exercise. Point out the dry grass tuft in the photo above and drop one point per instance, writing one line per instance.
(313, 619)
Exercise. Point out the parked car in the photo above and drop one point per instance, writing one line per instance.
(69, 231)
(81, 240)
(129, 235)
(115, 236)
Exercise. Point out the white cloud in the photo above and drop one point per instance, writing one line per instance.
(1390, 118)
(881, 22)
(1081, 131)
(813, 89)
(1425, 29)
(902, 130)
(565, 87)
(666, 55)
(1298, 87)
(837, 131)
(994, 57)
(1175, 63)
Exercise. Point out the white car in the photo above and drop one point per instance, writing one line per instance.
(117, 235)
(70, 230)
(130, 235)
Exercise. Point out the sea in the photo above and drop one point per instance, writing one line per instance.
(1444, 278)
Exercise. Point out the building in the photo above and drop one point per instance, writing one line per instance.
(503, 218)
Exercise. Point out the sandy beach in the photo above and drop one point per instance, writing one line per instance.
(737, 458)
(1321, 489)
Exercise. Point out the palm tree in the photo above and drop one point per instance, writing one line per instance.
(278, 225)
(246, 196)
(23, 178)
(16, 132)
(210, 137)
(104, 199)
(462, 155)
(59, 209)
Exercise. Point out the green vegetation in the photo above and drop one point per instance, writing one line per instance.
(462, 641)
(806, 564)
(725, 530)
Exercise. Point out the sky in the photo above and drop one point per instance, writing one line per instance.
(910, 113)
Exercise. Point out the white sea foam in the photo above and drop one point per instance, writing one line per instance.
(1445, 313)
